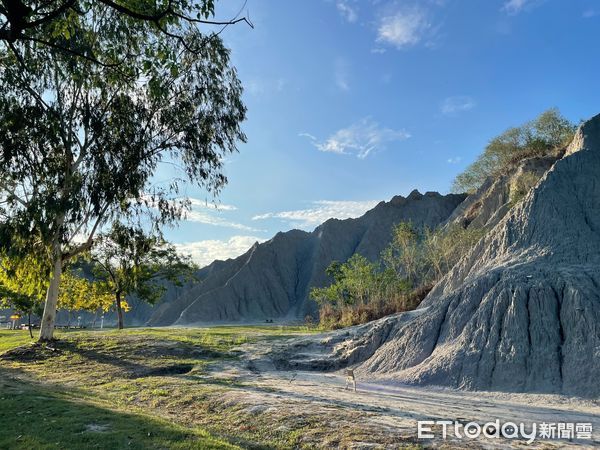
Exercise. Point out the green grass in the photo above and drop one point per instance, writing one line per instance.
(135, 388)
(36, 417)
(13, 338)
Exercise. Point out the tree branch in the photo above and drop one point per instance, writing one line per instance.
(51, 15)
(87, 245)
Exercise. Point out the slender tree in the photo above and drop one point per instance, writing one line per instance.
(133, 262)
(80, 142)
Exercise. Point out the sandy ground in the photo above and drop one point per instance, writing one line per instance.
(392, 410)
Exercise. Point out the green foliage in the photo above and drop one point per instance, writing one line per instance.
(404, 254)
(443, 248)
(80, 294)
(412, 263)
(104, 32)
(543, 136)
(130, 261)
(23, 283)
(360, 291)
(81, 141)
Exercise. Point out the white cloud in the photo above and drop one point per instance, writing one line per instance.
(454, 105)
(360, 138)
(516, 6)
(215, 206)
(209, 219)
(404, 27)
(321, 211)
(347, 9)
(205, 252)
(208, 213)
(454, 160)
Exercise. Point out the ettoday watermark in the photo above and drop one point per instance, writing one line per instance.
(427, 429)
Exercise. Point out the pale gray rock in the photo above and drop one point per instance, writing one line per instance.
(488, 205)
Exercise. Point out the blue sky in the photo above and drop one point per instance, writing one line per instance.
(351, 102)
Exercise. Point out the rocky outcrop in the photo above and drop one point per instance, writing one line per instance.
(497, 195)
(273, 279)
(520, 312)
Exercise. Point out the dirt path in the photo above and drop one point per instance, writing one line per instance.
(392, 410)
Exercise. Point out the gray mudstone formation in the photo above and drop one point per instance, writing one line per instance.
(520, 312)
(273, 279)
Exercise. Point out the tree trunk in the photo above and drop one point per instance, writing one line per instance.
(119, 310)
(49, 316)
(29, 324)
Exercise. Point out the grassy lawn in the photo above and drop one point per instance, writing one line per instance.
(137, 388)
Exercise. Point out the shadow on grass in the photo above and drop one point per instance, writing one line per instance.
(33, 416)
(123, 357)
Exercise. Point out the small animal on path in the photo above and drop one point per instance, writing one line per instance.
(350, 379)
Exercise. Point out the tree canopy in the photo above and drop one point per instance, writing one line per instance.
(109, 32)
(540, 137)
(80, 142)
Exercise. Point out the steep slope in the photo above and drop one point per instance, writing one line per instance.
(497, 195)
(272, 280)
(520, 312)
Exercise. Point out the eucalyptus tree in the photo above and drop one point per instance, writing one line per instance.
(132, 261)
(81, 142)
(71, 26)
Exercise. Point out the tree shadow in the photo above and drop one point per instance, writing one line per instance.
(126, 360)
(37, 416)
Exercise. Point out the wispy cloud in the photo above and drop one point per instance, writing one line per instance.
(196, 202)
(457, 104)
(404, 27)
(589, 13)
(205, 252)
(348, 10)
(361, 139)
(217, 221)
(517, 6)
(202, 211)
(320, 211)
(454, 160)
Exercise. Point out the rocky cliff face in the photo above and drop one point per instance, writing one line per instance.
(272, 280)
(520, 312)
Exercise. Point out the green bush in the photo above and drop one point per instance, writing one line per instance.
(540, 137)
(521, 186)
(415, 259)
